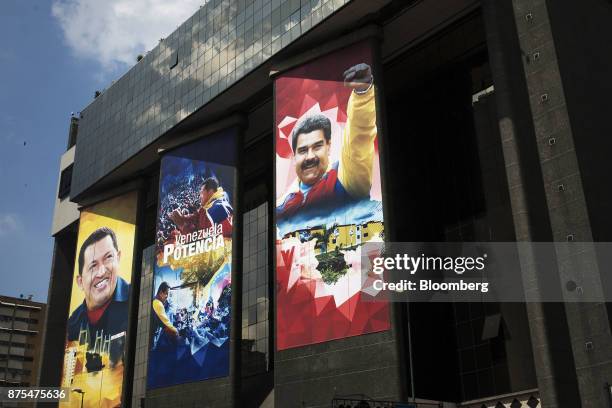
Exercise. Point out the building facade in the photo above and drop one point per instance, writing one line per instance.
(492, 127)
(21, 332)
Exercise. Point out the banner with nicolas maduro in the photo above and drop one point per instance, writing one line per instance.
(191, 299)
(329, 199)
(96, 341)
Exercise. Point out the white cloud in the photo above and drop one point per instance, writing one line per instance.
(8, 224)
(114, 32)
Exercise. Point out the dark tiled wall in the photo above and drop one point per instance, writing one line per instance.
(580, 31)
(255, 292)
(143, 335)
(311, 376)
(218, 45)
(58, 303)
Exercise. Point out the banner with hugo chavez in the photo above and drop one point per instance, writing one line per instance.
(191, 299)
(328, 198)
(96, 342)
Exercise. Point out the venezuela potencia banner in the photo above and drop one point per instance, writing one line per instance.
(94, 355)
(191, 299)
(328, 198)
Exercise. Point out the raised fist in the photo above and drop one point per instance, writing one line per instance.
(358, 77)
(176, 216)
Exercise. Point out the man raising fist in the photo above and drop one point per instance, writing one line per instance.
(324, 185)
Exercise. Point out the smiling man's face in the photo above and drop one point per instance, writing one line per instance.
(311, 156)
(98, 278)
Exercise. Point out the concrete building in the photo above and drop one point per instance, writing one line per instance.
(21, 331)
(496, 125)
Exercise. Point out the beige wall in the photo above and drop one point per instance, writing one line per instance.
(65, 212)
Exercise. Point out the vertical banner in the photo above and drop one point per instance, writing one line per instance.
(191, 299)
(329, 200)
(96, 340)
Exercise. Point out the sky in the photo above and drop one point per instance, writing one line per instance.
(54, 55)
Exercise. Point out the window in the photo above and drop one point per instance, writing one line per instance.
(4, 357)
(255, 302)
(65, 182)
(72, 133)
(16, 344)
(26, 320)
(174, 60)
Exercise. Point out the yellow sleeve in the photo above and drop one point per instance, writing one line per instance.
(158, 306)
(357, 155)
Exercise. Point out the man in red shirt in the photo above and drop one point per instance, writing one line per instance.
(104, 310)
(215, 209)
(324, 185)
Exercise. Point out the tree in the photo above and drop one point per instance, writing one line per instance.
(322, 238)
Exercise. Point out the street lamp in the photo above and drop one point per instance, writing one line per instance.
(80, 391)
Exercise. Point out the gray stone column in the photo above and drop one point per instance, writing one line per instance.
(58, 303)
(589, 330)
(550, 340)
(571, 341)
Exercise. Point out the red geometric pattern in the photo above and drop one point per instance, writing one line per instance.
(307, 310)
(319, 82)
(326, 93)
(303, 318)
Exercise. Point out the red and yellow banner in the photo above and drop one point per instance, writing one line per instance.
(329, 198)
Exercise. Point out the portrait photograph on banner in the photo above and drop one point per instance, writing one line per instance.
(329, 200)
(191, 299)
(96, 335)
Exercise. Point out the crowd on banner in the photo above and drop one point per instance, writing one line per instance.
(208, 323)
(183, 195)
